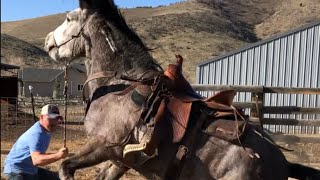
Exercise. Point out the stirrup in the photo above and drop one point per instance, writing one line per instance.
(129, 148)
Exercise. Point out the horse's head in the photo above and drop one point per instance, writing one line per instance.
(98, 31)
(67, 41)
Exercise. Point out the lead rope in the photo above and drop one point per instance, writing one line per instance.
(65, 93)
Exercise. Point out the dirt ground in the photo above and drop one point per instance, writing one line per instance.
(305, 153)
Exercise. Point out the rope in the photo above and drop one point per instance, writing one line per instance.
(65, 93)
(258, 112)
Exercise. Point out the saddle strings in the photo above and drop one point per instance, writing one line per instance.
(236, 113)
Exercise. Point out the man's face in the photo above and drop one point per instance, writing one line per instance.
(51, 124)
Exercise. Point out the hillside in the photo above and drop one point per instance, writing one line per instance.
(289, 14)
(18, 52)
(197, 29)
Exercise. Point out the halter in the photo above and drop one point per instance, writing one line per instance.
(79, 34)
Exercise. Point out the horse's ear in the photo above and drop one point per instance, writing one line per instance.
(85, 4)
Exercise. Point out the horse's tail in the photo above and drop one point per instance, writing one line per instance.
(302, 172)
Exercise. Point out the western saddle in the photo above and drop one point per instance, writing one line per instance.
(173, 95)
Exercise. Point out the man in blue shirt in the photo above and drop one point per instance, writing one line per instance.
(29, 151)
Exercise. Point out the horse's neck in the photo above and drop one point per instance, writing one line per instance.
(135, 73)
(129, 57)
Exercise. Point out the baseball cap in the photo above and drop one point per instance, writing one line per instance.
(51, 111)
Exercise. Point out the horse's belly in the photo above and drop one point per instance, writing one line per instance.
(111, 116)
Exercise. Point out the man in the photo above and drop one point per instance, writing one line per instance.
(29, 151)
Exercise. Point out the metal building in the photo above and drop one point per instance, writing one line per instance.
(286, 60)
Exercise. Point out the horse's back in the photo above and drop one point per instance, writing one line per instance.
(219, 159)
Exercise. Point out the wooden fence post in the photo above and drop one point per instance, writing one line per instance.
(257, 112)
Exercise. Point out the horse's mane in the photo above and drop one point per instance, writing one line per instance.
(110, 11)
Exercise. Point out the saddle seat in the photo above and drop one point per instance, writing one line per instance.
(178, 85)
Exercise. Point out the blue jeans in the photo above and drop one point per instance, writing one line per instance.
(43, 174)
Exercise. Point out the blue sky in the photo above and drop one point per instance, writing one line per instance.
(12, 10)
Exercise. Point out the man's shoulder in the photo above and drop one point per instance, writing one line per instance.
(36, 132)
(36, 129)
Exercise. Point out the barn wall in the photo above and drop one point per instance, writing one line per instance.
(9, 88)
(291, 60)
(75, 79)
(42, 89)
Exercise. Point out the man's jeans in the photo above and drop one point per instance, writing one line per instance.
(43, 174)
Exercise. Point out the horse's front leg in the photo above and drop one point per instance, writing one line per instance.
(111, 171)
(93, 153)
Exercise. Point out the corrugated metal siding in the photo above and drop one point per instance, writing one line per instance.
(288, 61)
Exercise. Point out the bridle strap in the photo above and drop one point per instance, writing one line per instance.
(73, 36)
(98, 75)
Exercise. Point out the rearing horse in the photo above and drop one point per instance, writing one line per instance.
(97, 31)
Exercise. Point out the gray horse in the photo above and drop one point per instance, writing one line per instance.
(97, 31)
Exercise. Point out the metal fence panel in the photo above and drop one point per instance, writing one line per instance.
(290, 60)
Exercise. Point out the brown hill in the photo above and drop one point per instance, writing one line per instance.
(289, 14)
(197, 29)
(18, 52)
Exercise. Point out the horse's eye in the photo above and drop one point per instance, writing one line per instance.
(68, 20)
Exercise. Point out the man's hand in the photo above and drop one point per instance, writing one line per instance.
(63, 153)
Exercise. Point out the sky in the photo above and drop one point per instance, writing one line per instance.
(12, 10)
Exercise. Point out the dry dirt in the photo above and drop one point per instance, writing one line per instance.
(306, 153)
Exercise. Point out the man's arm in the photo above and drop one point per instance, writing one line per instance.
(39, 159)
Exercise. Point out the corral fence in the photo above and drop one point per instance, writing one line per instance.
(41, 101)
(276, 119)
(17, 117)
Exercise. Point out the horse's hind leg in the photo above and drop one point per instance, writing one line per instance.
(93, 153)
(111, 171)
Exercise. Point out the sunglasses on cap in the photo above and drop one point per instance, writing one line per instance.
(54, 117)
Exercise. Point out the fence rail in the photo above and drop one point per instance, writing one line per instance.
(256, 105)
(258, 109)
(256, 89)
(39, 102)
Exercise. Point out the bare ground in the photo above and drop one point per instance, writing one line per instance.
(305, 153)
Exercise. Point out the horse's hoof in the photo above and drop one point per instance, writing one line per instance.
(64, 173)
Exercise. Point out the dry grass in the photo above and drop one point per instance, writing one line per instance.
(196, 30)
(289, 14)
(18, 52)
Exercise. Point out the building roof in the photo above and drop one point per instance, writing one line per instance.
(39, 75)
(46, 75)
(316, 23)
(80, 67)
(8, 66)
